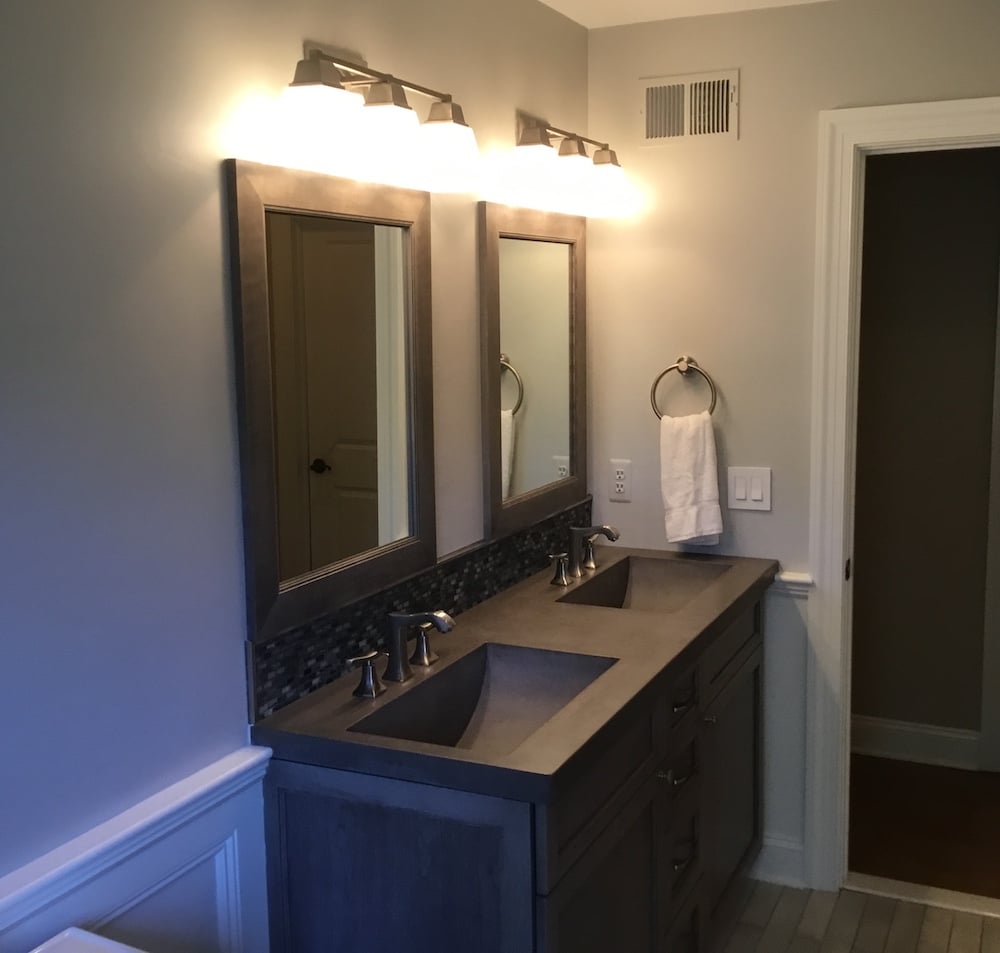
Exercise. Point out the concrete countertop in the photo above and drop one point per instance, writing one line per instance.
(649, 647)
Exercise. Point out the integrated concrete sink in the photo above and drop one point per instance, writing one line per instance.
(647, 584)
(488, 701)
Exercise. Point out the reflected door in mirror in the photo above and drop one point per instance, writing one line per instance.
(338, 350)
(535, 300)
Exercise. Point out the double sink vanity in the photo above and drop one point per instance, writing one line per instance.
(579, 771)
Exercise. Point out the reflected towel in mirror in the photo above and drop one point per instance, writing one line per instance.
(506, 451)
(689, 479)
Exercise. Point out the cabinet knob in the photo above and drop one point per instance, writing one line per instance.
(319, 465)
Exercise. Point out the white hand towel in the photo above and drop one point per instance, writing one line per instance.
(506, 451)
(689, 479)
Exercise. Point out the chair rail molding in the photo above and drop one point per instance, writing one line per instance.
(145, 871)
(846, 137)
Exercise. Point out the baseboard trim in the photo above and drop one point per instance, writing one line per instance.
(910, 741)
(44, 881)
(780, 861)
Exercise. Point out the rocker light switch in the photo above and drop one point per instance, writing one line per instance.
(750, 488)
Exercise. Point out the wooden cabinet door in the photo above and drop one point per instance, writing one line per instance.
(731, 736)
(607, 900)
(359, 863)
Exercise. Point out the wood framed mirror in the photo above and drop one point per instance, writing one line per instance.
(532, 280)
(332, 314)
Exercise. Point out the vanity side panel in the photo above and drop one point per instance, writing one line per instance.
(360, 862)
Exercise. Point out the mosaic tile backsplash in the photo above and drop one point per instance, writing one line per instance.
(301, 660)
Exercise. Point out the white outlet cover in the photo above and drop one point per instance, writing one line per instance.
(749, 488)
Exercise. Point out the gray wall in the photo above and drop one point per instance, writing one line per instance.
(720, 265)
(122, 588)
(928, 339)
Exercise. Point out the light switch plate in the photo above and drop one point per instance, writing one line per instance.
(750, 488)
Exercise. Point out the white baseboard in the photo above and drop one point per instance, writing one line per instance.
(909, 741)
(780, 861)
(184, 868)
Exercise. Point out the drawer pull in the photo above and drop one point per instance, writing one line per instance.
(676, 781)
(711, 719)
(681, 865)
(679, 707)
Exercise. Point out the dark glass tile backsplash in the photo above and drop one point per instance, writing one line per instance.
(301, 660)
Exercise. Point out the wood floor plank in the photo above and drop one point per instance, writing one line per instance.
(786, 916)
(966, 933)
(744, 939)
(874, 927)
(761, 904)
(935, 931)
(905, 930)
(991, 935)
(816, 915)
(844, 922)
(804, 944)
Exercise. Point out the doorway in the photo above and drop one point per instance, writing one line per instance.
(847, 137)
(921, 808)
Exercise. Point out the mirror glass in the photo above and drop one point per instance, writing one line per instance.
(532, 295)
(331, 304)
(338, 343)
(534, 367)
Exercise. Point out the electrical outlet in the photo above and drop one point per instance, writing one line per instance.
(620, 482)
(561, 467)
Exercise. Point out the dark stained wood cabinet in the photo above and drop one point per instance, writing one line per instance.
(635, 853)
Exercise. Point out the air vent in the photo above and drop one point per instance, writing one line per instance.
(682, 107)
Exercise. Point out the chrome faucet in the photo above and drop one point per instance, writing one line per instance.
(398, 669)
(581, 536)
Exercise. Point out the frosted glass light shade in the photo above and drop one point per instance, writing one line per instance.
(449, 156)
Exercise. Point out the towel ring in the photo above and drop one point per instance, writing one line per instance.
(505, 364)
(684, 366)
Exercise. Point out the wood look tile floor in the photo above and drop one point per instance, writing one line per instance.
(777, 919)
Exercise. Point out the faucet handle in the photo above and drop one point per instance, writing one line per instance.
(588, 562)
(559, 563)
(370, 685)
(422, 654)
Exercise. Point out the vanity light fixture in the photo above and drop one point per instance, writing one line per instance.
(317, 80)
(387, 120)
(569, 177)
(536, 134)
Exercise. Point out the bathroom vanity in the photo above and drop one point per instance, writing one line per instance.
(580, 771)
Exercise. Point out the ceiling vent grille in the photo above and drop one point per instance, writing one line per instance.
(682, 107)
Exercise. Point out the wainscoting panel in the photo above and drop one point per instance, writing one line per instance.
(785, 647)
(181, 871)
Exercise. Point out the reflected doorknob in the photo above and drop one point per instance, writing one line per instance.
(319, 465)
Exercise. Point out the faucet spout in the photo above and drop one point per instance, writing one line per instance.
(398, 667)
(579, 536)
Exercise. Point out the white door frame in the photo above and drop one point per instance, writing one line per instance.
(846, 137)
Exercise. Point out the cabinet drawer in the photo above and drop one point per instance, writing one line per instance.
(723, 657)
(685, 933)
(682, 697)
(680, 771)
(680, 857)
